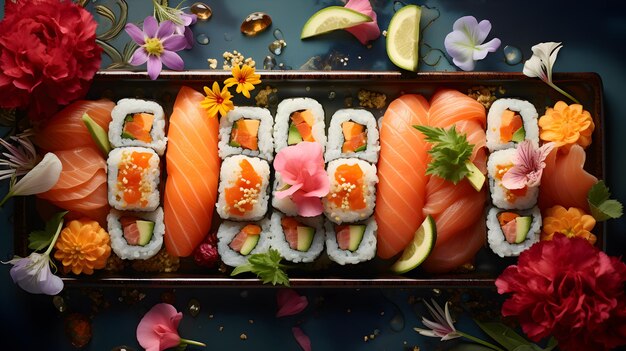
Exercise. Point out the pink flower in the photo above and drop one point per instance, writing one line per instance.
(367, 31)
(301, 167)
(528, 165)
(568, 289)
(158, 329)
(302, 339)
(290, 302)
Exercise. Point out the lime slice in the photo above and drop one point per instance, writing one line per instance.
(418, 249)
(403, 35)
(332, 18)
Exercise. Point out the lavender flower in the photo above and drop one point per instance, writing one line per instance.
(158, 45)
(187, 19)
(465, 42)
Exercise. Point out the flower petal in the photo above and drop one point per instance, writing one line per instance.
(150, 26)
(457, 47)
(308, 206)
(154, 67)
(302, 339)
(166, 29)
(288, 192)
(174, 42)
(172, 60)
(135, 33)
(364, 32)
(514, 178)
(158, 327)
(41, 178)
(534, 68)
(290, 302)
(468, 26)
(139, 57)
(482, 50)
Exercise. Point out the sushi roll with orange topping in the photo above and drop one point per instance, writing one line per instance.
(353, 133)
(243, 188)
(133, 179)
(297, 120)
(138, 123)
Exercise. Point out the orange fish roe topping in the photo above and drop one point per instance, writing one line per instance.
(130, 177)
(511, 194)
(241, 197)
(347, 194)
(82, 247)
(572, 222)
(566, 125)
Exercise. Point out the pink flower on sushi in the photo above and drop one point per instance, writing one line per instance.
(158, 45)
(365, 32)
(290, 302)
(301, 167)
(158, 329)
(528, 165)
(465, 42)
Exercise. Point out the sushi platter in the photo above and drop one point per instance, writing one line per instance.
(257, 194)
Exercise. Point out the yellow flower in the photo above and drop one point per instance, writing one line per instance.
(217, 101)
(244, 78)
(82, 247)
(566, 125)
(572, 222)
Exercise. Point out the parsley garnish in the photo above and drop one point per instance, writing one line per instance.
(603, 208)
(266, 266)
(40, 239)
(450, 153)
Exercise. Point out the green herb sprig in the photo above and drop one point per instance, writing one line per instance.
(450, 153)
(40, 239)
(266, 266)
(602, 207)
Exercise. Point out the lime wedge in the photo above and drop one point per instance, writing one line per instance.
(403, 35)
(418, 249)
(332, 18)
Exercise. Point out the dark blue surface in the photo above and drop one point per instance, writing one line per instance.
(593, 35)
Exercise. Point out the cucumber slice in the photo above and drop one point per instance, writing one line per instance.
(332, 18)
(519, 135)
(99, 135)
(418, 249)
(475, 176)
(403, 35)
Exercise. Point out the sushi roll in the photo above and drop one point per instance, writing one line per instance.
(237, 240)
(247, 131)
(351, 243)
(353, 133)
(285, 205)
(511, 232)
(243, 188)
(299, 119)
(352, 193)
(298, 239)
(136, 235)
(498, 164)
(138, 123)
(511, 121)
(133, 179)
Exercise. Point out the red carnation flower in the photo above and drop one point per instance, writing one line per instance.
(48, 55)
(568, 289)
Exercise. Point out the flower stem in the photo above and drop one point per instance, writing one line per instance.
(562, 92)
(54, 239)
(477, 340)
(6, 197)
(191, 342)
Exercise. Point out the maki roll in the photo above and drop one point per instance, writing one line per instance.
(511, 232)
(352, 193)
(133, 179)
(351, 243)
(237, 240)
(243, 188)
(353, 133)
(136, 235)
(247, 131)
(298, 239)
(299, 119)
(138, 123)
(511, 121)
(498, 164)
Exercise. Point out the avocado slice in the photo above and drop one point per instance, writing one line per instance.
(475, 176)
(294, 136)
(99, 135)
(519, 135)
(127, 135)
(146, 229)
(249, 244)
(356, 236)
(361, 148)
(522, 227)
(234, 144)
(305, 238)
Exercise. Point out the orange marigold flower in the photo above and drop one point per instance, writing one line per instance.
(217, 100)
(245, 79)
(566, 125)
(572, 222)
(82, 247)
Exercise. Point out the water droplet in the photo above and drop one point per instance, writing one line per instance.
(243, 294)
(276, 47)
(122, 348)
(193, 307)
(278, 34)
(202, 10)
(59, 303)
(332, 95)
(397, 322)
(397, 5)
(202, 39)
(255, 23)
(269, 63)
(307, 88)
(228, 37)
(512, 55)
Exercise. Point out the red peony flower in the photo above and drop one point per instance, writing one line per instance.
(570, 290)
(48, 55)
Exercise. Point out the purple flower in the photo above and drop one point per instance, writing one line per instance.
(158, 45)
(465, 42)
(33, 274)
(528, 165)
(187, 19)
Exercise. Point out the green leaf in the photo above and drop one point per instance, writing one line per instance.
(600, 204)
(40, 239)
(470, 347)
(266, 266)
(504, 335)
(552, 343)
(449, 153)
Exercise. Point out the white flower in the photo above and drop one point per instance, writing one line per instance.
(33, 274)
(41, 178)
(540, 64)
(465, 42)
(442, 327)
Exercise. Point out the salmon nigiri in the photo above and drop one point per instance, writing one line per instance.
(193, 167)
